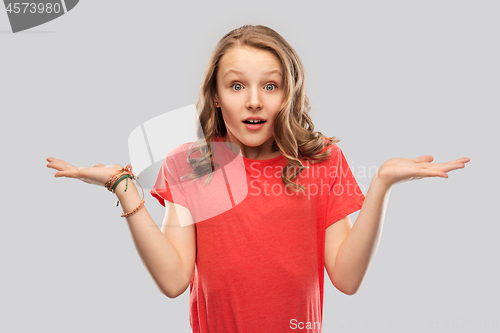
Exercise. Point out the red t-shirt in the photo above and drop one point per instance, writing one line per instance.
(260, 247)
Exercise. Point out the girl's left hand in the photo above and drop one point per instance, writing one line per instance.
(398, 169)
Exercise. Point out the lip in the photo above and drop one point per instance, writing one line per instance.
(254, 118)
(254, 127)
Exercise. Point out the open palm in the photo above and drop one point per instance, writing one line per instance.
(399, 169)
(98, 174)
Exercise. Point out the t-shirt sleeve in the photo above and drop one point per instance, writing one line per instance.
(345, 196)
(168, 185)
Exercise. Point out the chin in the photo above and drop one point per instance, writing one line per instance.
(254, 142)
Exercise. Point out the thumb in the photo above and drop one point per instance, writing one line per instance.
(424, 158)
(67, 173)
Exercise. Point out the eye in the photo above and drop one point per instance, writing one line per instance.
(236, 86)
(272, 85)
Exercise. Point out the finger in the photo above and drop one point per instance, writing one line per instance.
(434, 173)
(456, 164)
(460, 161)
(98, 165)
(463, 160)
(59, 165)
(453, 166)
(424, 158)
(55, 165)
(441, 169)
(67, 174)
(53, 159)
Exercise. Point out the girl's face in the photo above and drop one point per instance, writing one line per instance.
(250, 85)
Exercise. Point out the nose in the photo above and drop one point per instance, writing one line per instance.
(254, 101)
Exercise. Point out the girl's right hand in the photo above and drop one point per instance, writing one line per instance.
(98, 174)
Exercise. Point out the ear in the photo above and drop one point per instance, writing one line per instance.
(216, 98)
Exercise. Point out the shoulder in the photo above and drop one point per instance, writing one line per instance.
(179, 152)
(177, 158)
(330, 152)
(186, 151)
(333, 149)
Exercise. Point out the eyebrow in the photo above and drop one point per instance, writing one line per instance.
(238, 72)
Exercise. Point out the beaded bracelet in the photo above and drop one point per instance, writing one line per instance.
(116, 178)
(134, 210)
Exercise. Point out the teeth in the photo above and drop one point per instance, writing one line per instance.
(254, 121)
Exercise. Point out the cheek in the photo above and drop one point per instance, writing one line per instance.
(277, 101)
(229, 118)
(231, 101)
(275, 108)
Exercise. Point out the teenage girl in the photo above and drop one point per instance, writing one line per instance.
(254, 251)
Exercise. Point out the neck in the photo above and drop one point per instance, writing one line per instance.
(261, 152)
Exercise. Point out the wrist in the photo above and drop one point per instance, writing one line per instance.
(379, 182)
(123, 189)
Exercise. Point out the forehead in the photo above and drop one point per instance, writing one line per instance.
(244, 59)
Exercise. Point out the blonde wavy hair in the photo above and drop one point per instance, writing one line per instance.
(294, 133)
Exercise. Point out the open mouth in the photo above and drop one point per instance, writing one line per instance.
(255, 122)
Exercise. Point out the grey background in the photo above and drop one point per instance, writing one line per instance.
(391, 78)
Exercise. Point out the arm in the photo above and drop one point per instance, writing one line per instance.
(349, 251)
(169, 254)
